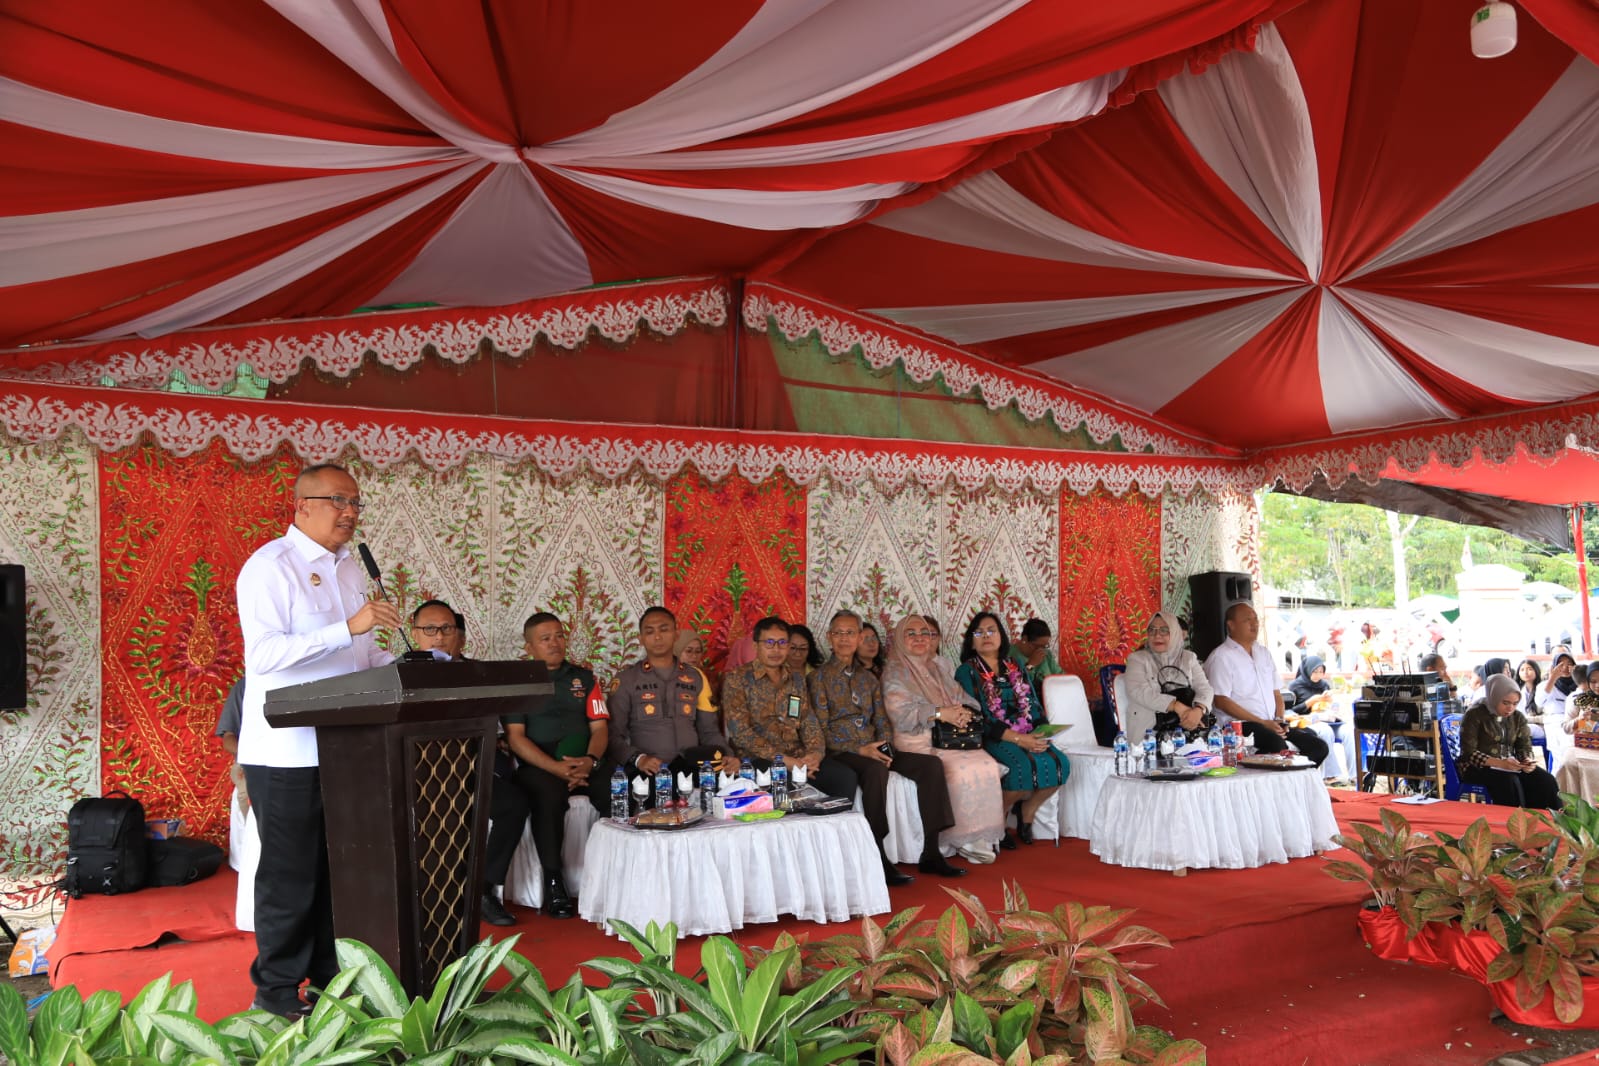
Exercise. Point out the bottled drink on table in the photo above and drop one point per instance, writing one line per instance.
(1168, 749)
(663, 787)
(1149, 750)
(779, 782)
(707, 785)
(1214, 741)
(619, 795)
(1122, 750)
(1229, 755)
(746, 770)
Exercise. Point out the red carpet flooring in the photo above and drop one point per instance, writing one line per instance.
(1267, 965)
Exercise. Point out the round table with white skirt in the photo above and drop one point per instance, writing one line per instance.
(1579, 773)
(721, 876)
(1070, 812)
(1232, 823)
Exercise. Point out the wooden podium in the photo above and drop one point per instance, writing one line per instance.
(407, 757)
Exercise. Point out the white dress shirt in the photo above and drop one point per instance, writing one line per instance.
(1247, 676)
(295, 598)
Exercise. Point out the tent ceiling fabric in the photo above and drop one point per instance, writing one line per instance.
(1339, 222)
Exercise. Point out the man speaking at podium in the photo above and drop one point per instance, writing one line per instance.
(305, 616)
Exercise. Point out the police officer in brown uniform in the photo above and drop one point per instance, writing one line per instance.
(655, 715)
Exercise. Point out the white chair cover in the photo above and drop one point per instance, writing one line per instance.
(524, 881)
(246, 847)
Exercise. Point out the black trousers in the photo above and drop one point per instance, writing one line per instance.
(547, 796)
(1536, 789)
(508, 812)
(1267, 742)
(932, 791)
(293, 897)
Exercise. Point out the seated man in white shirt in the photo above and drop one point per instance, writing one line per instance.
(1246, 688)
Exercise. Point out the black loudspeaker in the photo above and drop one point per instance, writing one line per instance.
(1209, 596)
(13, 638)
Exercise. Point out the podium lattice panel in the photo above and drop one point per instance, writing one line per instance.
(442, 807)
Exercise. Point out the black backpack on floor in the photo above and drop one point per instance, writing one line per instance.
(105, 846)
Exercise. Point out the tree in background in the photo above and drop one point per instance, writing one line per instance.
(1346, 551)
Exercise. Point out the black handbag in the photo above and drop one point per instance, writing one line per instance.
(950, 737)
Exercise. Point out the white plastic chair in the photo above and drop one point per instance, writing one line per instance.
(1065, 703)
(524, 881)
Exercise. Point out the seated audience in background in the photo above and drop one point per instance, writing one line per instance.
(657, 715)
(1551, 698)
(921, 694)
(1584, 704)
(848, 698)
(1166, 686)
(690, 650)
(1012, 712)
(1243, 677)
(803, 654)
(1313, 709)
(872, 654)
(1034, 652)
(1496, 751)
(561, 751)
(1435, 663)
(1530, 678)
(438, 627)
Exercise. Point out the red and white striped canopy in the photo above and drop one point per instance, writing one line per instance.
(1352, 225)
(1355, 225)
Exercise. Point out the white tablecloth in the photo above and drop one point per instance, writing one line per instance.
(1070, 813)
(717, 878)
(1249, 819)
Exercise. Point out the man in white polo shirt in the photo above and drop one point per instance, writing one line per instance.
(1247, 688)
(305, 616)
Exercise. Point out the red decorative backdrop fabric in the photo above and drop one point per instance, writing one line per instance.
(1109, 579)
(174, 532)
(735, 552)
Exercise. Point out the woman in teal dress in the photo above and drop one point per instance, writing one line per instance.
(1012, 711)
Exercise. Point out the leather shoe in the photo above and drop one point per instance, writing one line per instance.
(494, 912)
(894, 876)
(1007, 842)
(298, 1009)
(558, 903)
(939, 865)
(1024, 831)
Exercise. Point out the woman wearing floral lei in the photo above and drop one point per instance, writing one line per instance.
(1034, 769)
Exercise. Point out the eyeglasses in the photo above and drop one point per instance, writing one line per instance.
(771, 643)
(920, 633)
(1159, 631)
(341, 503)
(436, 631)
(985, 632)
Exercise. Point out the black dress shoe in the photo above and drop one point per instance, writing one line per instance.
(494, 912)
(557, 902)
(894, 876)
(292, 1010)
(1024, 831)
(939, 865)
(1007, 842)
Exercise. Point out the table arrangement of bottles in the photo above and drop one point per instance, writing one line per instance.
(706, 797)
(1157, 753)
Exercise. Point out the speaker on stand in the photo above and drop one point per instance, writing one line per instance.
(13, 637)
(1209, 596)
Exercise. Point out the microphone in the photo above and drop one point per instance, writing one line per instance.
(376, 575)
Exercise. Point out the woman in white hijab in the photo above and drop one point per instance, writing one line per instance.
(920, 692)
(1165, 684)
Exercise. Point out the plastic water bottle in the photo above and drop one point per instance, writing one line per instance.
(1213, 741)
(1149, 750)
(619, 795)
(707, 785)
(779, 782)
(663, 787)
(1229, 755)
(1168, 749)
(746, 770)
(1120, 747)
